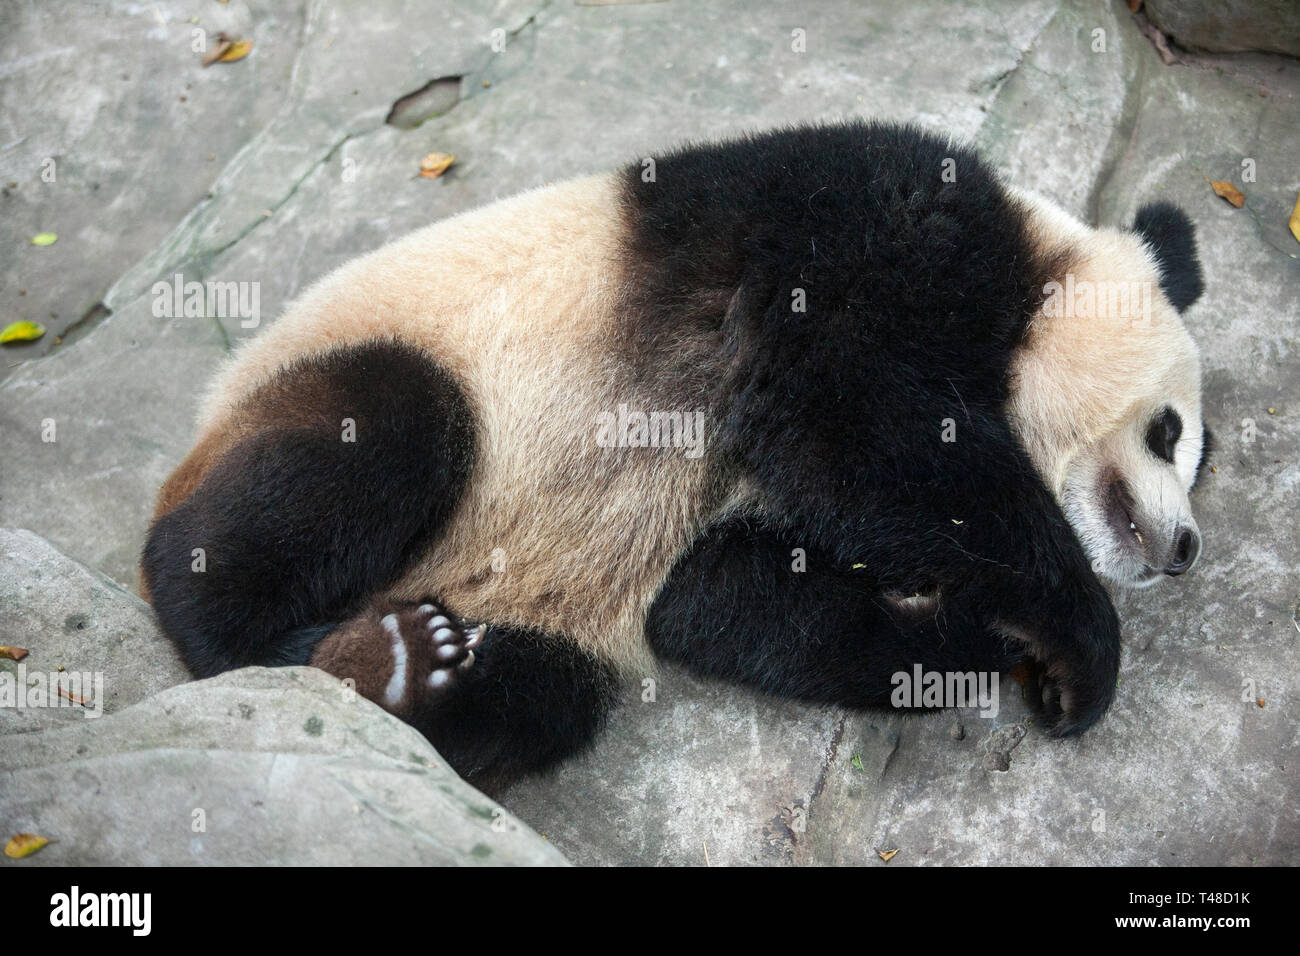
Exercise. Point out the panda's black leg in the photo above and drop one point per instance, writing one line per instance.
(339, 470)
(496, 702)
(741, 606)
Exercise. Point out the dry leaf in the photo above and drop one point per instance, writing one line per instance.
(223, 43)
(237, 51)
(1229, 192)
(22, 332)
(24, 844)
(79, 701)
(1295, 219)
(1134, 6)
(12, 653)
(886, 855)
(1260, 701)
(45, 238)
(1021, 673)
(435, 164)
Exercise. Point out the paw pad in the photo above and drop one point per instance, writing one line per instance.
(430, 650)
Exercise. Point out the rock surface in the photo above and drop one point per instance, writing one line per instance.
(1229, 26)
(280, 767)
(1188, 768)
(76, 621)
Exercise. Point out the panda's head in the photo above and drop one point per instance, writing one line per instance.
(1107, 389)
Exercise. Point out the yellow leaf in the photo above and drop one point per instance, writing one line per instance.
(12, 653)
(886, 855)
(435, 164)
(1228, 191)
(22, 332)
(1295, 219)
(237, 51)
(24, 844)
(45, 238)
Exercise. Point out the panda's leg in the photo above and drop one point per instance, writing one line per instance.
(497, 702)
(333, 476)
(742, 607)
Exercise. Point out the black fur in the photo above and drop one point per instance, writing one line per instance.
(298, 526)
(737, 607)
(529, 701)
(1169, 233)
(1163, 434)
(918, 293)
(1207, 450)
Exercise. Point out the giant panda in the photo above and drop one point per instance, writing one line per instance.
(437, 475)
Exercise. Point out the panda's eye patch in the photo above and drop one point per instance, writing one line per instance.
(1163, 435)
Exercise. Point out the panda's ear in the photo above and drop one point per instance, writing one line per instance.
(1172, 239)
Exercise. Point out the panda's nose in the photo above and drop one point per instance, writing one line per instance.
(1187, 546)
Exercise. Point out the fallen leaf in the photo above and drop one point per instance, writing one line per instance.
(1133, 5)
(24, 844)
(22, 332)
(1021, 673)
(1228, 191)
(223, 43)
(1295, 219)
(69, 695)
(857, 567)
(45, 238)
(955, 521)
(435, 164)
(857, 761)
(237, 51)
(1259, 701)
(12, 653)
(886, 855)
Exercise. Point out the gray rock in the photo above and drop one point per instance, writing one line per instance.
(1004, 739)
(261, 766)
(998, 761)
(1229, 26)
(77, 621)
(113, 132)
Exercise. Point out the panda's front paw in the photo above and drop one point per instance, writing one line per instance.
(1072, 695)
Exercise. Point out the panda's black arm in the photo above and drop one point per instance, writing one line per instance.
(744, 605)
(860, 471)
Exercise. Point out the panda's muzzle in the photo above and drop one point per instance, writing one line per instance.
(1124, 518)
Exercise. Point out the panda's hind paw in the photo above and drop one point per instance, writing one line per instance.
(431, 651)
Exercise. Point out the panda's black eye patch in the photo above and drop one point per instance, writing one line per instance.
(1163, 435)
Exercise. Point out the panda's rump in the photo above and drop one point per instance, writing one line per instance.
(518, 302)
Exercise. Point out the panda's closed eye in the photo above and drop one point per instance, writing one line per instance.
(1163, 435)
